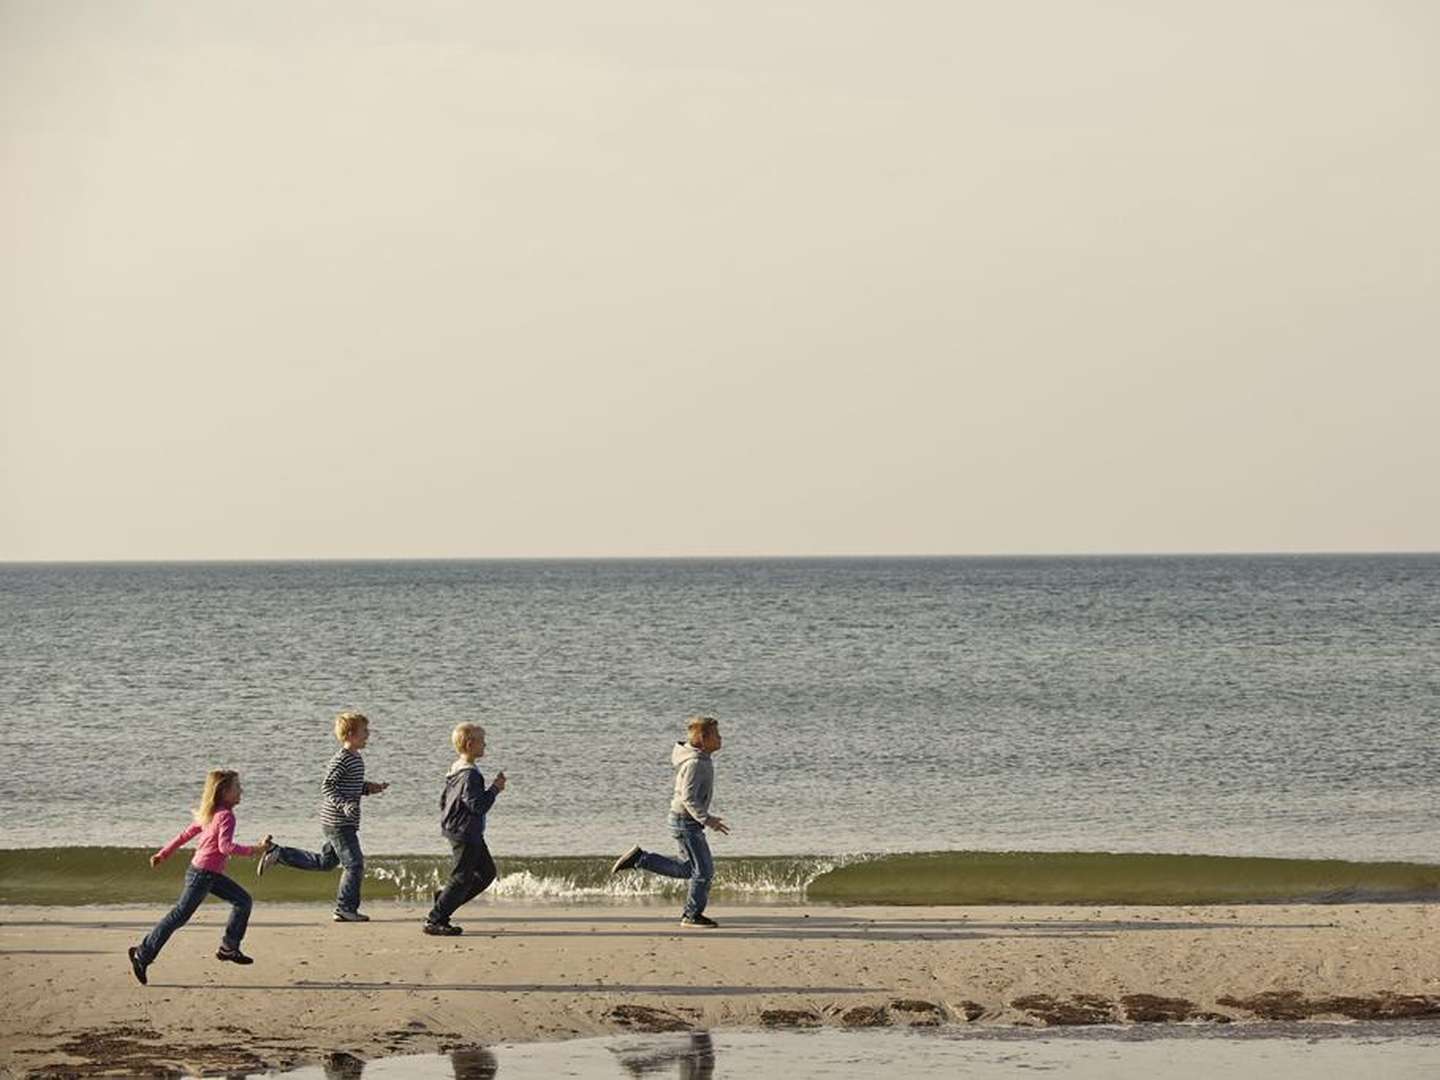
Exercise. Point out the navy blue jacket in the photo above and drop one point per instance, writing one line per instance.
(463, 805)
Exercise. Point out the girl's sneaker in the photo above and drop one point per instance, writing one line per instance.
(235, 956)
(341, 915)
(269, 859)
(435, 929)
(137, 966)
(698, 922)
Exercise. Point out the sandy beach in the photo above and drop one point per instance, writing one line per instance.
(552, 972)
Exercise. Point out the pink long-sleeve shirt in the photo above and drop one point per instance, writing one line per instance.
(217, 843)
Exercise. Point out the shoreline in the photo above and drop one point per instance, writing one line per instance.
(544, 971)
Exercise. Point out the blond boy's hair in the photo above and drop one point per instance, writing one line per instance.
(217, 782)
(462, 735)
(696, 727)
(347, 723)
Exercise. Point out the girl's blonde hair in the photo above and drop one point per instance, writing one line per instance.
(217, 782)
(347, 723)
(462, 734)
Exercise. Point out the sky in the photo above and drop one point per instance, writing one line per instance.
(678, 278)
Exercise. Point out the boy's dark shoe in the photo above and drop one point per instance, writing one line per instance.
(234, 956)
(341, 915)
(442, 929)
(137, 966)
(628, 860)
(698, 922)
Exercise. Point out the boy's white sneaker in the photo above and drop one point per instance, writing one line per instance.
(269, 859)
(341, 915)
(628, 860)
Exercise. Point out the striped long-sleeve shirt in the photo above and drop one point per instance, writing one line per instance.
(341, 789)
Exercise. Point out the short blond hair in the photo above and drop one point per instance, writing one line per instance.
(463, 733)
(347, 723)
(696, 727)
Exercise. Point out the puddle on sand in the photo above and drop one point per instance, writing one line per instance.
(1308, 1051)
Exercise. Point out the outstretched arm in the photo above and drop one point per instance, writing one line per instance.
(182, 837)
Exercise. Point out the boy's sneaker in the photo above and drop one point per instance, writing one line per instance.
(437, 929)
(235, 956)
(341, 915)
(267, 860)
(137, 966)
(628, 860)
(698, 922)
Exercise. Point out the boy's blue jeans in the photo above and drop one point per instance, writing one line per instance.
(699, 864)
(341, 848)
(198, 885)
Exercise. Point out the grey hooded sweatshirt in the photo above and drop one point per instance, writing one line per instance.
(694, 781)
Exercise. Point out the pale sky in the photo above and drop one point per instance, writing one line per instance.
(340, 279)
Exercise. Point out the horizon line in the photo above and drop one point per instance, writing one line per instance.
(831, 557)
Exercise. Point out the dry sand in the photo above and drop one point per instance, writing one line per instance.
(549, 972)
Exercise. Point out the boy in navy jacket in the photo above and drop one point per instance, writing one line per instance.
(463, 806)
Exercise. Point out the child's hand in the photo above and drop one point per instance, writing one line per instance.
(266, 844)
(154, 861)
(499, 784)
(718, 824)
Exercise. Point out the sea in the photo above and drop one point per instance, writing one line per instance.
(1260, 706)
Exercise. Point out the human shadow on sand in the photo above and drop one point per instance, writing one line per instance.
(677, 989)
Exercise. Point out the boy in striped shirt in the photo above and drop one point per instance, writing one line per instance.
(340, 794)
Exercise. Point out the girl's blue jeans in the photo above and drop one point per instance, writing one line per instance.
(198, 885)
(699, 864)
(341, 848)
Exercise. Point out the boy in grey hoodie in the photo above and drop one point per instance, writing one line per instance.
(463, 806)
(689, 818)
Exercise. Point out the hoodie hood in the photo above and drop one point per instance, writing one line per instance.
(684, 752)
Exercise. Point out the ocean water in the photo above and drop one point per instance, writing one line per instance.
(1264, 706)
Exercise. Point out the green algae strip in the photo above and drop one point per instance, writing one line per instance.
(1019, 877)
(109, 875)
(80, 875)
(113, 875)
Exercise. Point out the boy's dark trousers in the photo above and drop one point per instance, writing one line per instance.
(472, 873)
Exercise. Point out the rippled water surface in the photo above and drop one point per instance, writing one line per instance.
(1307, 1054)
(1284, 705)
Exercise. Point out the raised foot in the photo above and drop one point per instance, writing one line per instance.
(628, 860)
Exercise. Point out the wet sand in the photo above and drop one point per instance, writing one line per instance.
(524, 973)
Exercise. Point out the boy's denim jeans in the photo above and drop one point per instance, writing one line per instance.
(198, 885)
(471, 874)
(341, 848)
(699, 865)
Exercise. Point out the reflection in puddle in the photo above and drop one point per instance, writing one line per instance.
(695, 1059)
(470, 1063)
(1292, 1052)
